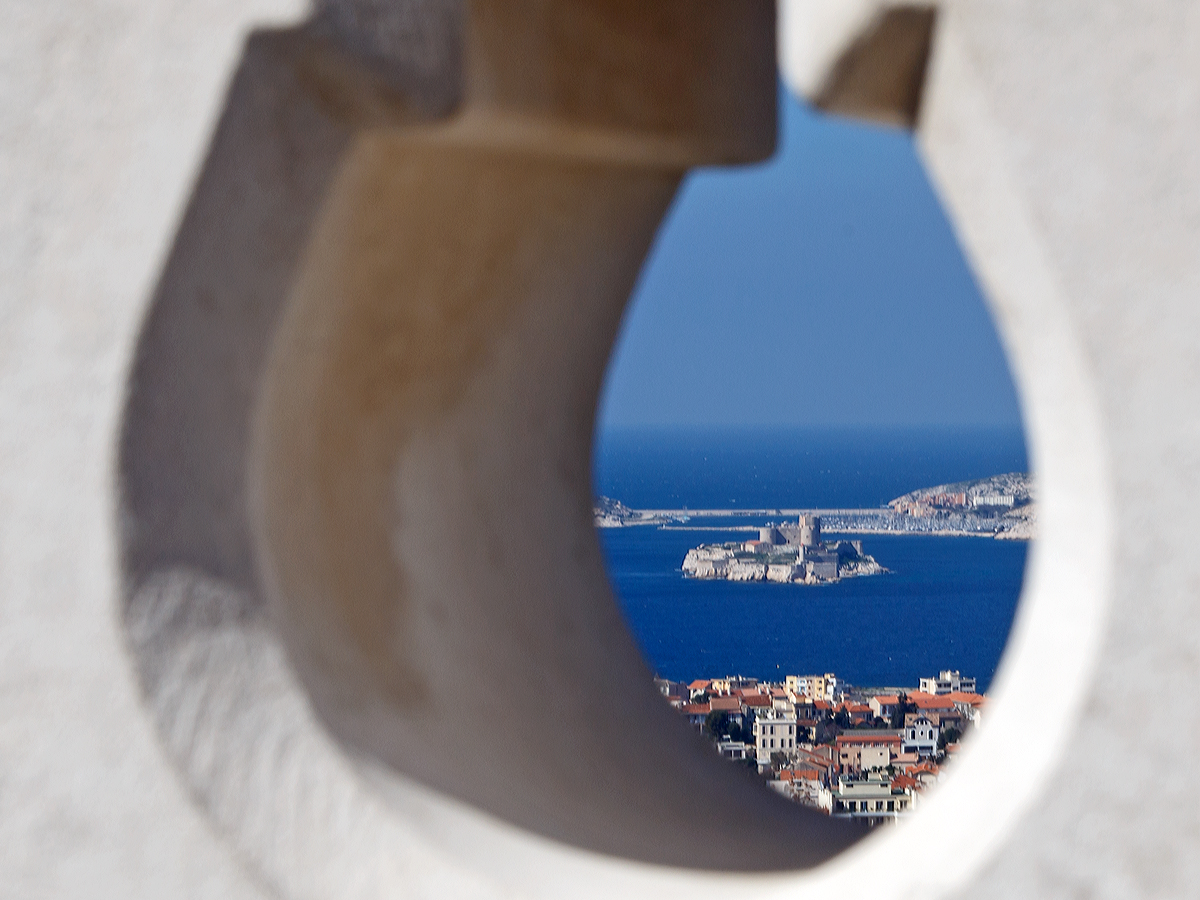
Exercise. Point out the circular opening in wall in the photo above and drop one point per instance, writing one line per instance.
(356, 510)
(812, 484)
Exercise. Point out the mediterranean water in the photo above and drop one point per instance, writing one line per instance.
(948, 602)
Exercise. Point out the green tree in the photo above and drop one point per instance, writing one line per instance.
(717, 724)
(949, 735)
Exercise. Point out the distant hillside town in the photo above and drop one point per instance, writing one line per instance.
(854, 753)
(1003, 504)
(783, 553)
(1002, 507)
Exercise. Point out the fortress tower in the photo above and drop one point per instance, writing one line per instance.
(810, 530)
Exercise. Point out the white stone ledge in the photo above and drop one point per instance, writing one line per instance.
(1063, 140)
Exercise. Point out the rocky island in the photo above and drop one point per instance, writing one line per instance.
(1001, 507)
(783, 553)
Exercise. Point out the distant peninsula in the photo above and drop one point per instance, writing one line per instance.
(1002, 507)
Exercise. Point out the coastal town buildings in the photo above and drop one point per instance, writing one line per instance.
(920, 737)
(733, 749)
(876, 798)
(774, 732)
(947, 682)
(884, 706)
(858, 751)
(862, 753)
(812, 687)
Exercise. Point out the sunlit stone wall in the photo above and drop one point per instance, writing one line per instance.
(1063, 138)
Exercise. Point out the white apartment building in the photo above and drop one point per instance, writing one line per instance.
(920, 737)
(813, 687)
(774, 732)
(732, 749)
(875, 757)
(1006, 500)
(873, 798)
(947, 682)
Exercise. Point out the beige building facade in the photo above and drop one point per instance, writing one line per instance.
(774, 732)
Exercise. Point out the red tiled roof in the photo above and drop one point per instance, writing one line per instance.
(756, 700)
(726, 704)
(694, 709)
(965, 697)
(929, 701)
(887, 699)
(699, 684)
(852, 707)
(821, 754)
(799, 775)
(903, 781)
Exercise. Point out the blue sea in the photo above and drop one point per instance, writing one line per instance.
(948, 602)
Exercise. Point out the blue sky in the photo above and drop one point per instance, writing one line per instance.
(823, 288)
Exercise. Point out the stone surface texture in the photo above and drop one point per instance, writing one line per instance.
(1093, 120)
(160, 744)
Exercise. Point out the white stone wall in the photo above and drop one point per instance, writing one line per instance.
(105, 109)
(1091, 120)
(1065, 140)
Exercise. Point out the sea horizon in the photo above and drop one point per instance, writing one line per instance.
(948, 603)
(794, 467)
